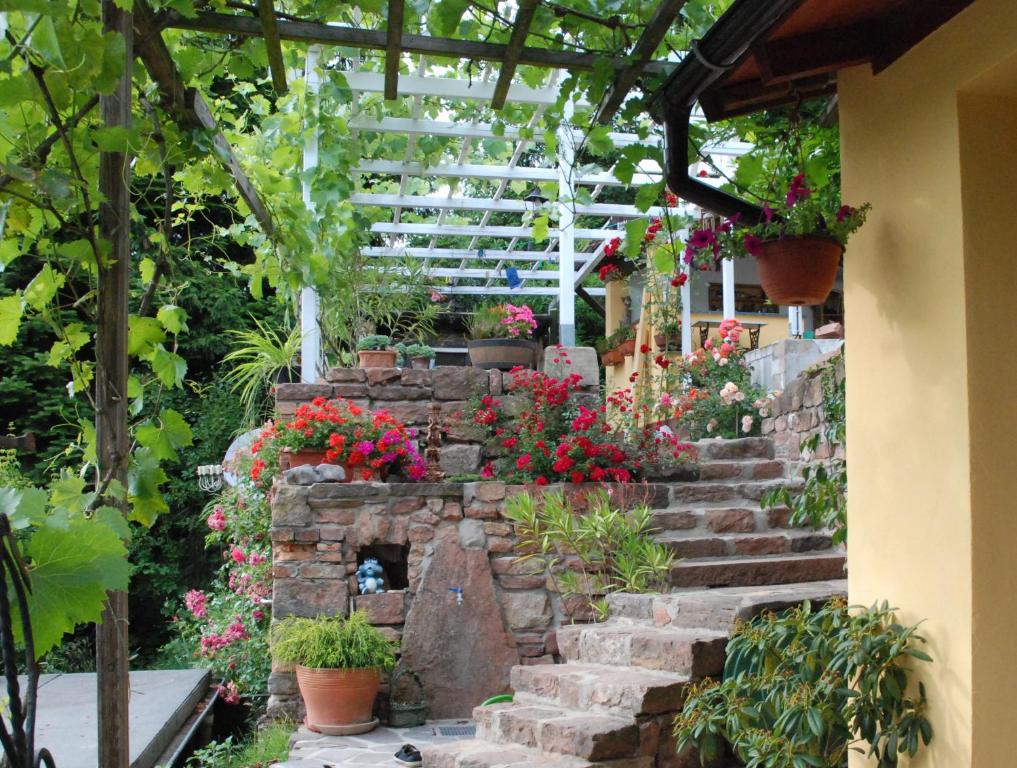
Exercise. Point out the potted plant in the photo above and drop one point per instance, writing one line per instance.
(419, 355)
(375, 352)
(499, 337)
(365, 444)
(619, 345)
(669, 339)
(797, 253)
(339, 663)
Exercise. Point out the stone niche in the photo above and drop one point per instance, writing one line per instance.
(462, 607)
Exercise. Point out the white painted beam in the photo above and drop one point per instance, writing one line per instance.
(496, 173)
(496, 290)
(474, 230)
(310, 332)
(448, 88)
(493, 255)
(607, 210)
(474, 130)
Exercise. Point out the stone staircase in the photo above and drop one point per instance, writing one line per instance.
(613, 700)
(723, 536)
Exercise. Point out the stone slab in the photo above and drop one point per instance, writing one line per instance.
(161, 701)
(462, 654)
(312, 750)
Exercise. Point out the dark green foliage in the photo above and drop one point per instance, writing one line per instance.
(804, 687)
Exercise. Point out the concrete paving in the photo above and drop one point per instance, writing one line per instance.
(161, 700)
(312, 750)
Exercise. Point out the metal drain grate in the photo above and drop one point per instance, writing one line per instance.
(457, 730)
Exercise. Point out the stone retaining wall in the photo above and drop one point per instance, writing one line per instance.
(407, 393)
(453, 536)
(798, 413)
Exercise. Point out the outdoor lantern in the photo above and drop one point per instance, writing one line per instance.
(534, 199)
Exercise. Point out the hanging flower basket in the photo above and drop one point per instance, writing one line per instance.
(798, 271)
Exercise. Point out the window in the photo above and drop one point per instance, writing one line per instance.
(748, 298)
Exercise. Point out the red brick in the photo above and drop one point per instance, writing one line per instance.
(306, 534)
(332, 532)
(287, 551)
(336, 516)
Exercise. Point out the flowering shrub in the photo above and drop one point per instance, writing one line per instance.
(363, 440)
(502, 321)
(805, 214)
(226, 626)
(552, 436)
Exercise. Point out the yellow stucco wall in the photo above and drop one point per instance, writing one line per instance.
(932, 413)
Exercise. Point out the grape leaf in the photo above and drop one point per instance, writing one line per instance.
(173, 318)
(164, 438)
(143, 333)
(71, 571)
(540, 229)
(168, 366)
(23, 506)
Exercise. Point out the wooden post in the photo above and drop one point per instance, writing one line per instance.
(111, 392)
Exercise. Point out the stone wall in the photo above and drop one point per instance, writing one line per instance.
(798, 413)
(452, 536)
(406, 394)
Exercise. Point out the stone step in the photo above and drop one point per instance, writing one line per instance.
(477, 753)
(719, 608)
(558, 730)
(689, 652)
(744, 518)
(692, 544)
(742, 469)
(623, 691)
(742, 448)
(754, 571)
(723, 493)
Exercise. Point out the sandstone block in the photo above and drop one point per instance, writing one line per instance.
(458, 382)
(297, 597)
(345, 375)
(414, 377)
(399, 392)
(304, 393)
(383, 608)
(460, 459)
(420, 533)
(376, 376)
(526, 610)
(731, 520)
(287, 551)
(289, 507)
(491, 490)
(349, 391)
(471, 534)
(583, 361)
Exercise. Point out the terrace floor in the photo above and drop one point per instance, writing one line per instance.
(312, 750)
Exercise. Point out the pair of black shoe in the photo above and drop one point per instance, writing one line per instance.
(408, 755)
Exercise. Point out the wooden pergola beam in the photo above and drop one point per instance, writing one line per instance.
(393, 45)
(520, 28)
(653, 34)
(188, 107)
(369, 39)
(273, 46)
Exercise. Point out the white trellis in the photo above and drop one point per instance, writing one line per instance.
(448, 243)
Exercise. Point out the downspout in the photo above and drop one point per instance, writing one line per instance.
(710, 59)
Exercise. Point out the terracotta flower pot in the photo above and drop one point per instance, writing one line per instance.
(356, 474)
(338, 697)
(377, 358)
(420, 363)
(665, 343)
(503, 354)
(306, 456)
(627, 348)
(798, 271)
(611, 357)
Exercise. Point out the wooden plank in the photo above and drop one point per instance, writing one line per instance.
(273, 47)
(517, 41)
(653, 34)
(439, 47)
(393, 42)
(113, 440)
(909, 24)
(24, 442)
(825, 50)
(189, 108)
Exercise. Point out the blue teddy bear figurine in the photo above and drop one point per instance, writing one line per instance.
(370, 577)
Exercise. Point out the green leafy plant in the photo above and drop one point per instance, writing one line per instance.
(804, 687)
(332, 642)
(501, 321)
(420, 350)
(822, 500)
(267, 747)
(374, 343)
(623, 333)
(591, 551)
(260, 355)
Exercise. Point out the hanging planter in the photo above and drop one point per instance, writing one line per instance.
(798, 271)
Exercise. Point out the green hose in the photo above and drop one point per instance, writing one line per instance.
(503, 698)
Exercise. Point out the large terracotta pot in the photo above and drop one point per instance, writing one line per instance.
(503, 354)
(798, 271)
(420, 363)
(302, 457)
(338, 697)
(377, 358)
(627, 348)
(611, 357)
